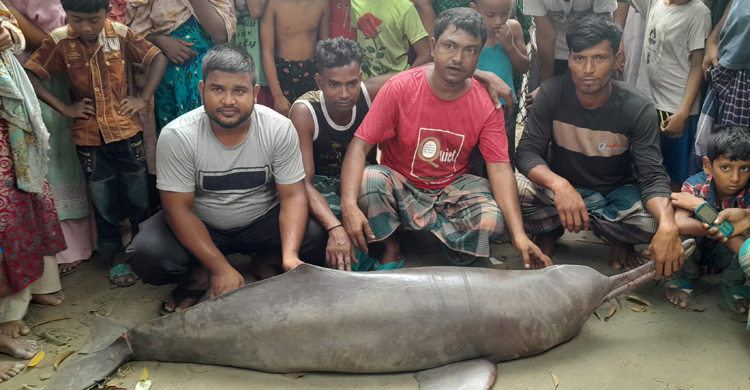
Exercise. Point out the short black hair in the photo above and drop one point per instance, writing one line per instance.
(591, 30)
(462, 18)
(85, 6)
(335, 52)
(231, 59)
(731, 142)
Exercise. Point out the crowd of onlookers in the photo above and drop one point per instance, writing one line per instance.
(89, 86)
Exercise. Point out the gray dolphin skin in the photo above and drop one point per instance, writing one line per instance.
(317, 319)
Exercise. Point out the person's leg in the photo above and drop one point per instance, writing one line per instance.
(677, 153)
(682, 287)
(13, 309)
(623, 222)
(732, 278)
(284, 71)
(47, 290)
(539, 214)
(81, 239)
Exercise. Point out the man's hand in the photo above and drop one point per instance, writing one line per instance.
(339, 250)
(357, 226)
(6, 41)
(739, 218)
(282, 105)
(533, 257)
(496, 88)
(710, 55)
(666, 251)
(291, 263)
(176, 50)
(570, 208)
(225, 280)
(675, 126)
(686, 201)
(530, 96)
(505, 36)
(80, 110)
(131, 105)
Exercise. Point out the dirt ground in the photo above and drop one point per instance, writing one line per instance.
(662, 348)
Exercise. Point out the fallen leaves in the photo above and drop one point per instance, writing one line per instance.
(637, 299)
(555, 381)
(612, 312)
(637, 308)
(62, 357)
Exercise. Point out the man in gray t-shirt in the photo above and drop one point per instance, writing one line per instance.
(230, 176)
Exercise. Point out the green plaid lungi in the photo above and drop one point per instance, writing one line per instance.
(463, 215)
(618, 217)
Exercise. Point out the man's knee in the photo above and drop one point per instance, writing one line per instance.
(156, 255)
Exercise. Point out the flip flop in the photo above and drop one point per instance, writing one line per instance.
(121, 270)
(392, 265)
(458, 258)
(70, 271)
(734, 294)
(179, 294)
(364, 262)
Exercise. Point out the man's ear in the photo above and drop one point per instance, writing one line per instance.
(109, 11)
(433, 44)
(473, 6)
(319, 81)
(256, 91)
(706, 165)
(619, 60)
(201, 86)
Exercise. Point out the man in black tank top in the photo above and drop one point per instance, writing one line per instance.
(326, 121)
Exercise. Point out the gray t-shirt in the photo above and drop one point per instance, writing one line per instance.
(235, 185)
(672, 33)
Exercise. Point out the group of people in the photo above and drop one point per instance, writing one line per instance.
(253, 127)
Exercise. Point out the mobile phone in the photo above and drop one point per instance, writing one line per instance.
(707, 214)
(663, 116)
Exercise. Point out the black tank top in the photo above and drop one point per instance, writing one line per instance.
(330, 141)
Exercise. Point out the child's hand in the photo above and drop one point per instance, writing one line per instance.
(176, 50)
(675, 126)
(282, 106)
(131, 105)
(6, 41)
(686, 201)
(739, 218)
(505, 36)
(80, 110)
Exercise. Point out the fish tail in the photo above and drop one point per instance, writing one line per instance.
(628, 281)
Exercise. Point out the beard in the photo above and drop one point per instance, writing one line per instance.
(216, 117)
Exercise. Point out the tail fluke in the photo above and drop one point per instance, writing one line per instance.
(104, 352)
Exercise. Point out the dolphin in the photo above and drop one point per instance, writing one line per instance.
(450, 324)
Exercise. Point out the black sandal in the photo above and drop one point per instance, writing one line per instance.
(179, 294)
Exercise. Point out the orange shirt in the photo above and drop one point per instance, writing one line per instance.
(97, 71)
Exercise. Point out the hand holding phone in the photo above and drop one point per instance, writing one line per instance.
(708, 215)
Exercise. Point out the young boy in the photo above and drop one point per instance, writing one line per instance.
(93, 51)
(385, 29)
(289, 30)
(676, 31)
(722, 184)
(504, 53)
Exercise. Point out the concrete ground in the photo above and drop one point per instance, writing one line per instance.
(662, 348)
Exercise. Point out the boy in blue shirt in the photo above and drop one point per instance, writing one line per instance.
(503, 53)
(722, 184)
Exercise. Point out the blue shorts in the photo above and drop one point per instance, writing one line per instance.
(677, 153)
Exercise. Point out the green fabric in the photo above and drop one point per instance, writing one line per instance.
(330, 188)
(442, 5)
(65, 175)
(29, 138)
(247, 36)
(385, 29)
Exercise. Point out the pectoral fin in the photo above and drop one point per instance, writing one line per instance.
(478, 374)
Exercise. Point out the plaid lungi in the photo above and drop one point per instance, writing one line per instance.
(618, 217)
(463, 215)
(727, 103)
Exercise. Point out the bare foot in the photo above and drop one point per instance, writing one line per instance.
(51, 299)
(625, 255)
(121, 280)
(14, 328)
(19, 349)
(546, 241)
(67, 267)
(392, 251)
(266, 265)
(9, 370)
(201, 281)
(741, 305)
(678, 297)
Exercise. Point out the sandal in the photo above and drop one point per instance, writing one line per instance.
(179, 294)
(458, 258)
(388, 266)
(364, 262)
(70, 271)
(121, 270)
(734, 294)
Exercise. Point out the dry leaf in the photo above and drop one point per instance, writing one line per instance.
(637, 299)
(611, 313)
(637, 308)
(37, 358)
(46, 376)
(555, 381)
(62, 357)
(293, 375)
(144, 375)
(597, 316)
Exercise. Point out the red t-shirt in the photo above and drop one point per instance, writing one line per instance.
(341, 20)
(427, 139)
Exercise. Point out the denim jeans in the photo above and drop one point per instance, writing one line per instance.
(116, 177)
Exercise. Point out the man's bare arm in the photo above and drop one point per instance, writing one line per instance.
(711, 58)
(324, 27)
(292, 222)
(545, 44)
(33, 34)
(355, 222)
(518, 56)
(422, 47)
(256, 8)
(210, 20)
(426, 14)
(570, 206)
(666, 247)
(374, 84)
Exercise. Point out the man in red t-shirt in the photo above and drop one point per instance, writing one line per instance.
(427, 121)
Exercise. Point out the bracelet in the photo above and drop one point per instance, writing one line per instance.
(339, 225)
